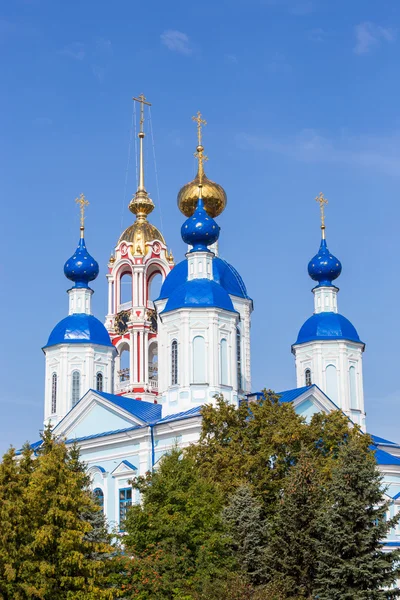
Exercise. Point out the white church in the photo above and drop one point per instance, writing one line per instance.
(129, 389)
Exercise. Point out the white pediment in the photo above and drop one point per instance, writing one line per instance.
(125, 468)
(313, 401)
(93, 415)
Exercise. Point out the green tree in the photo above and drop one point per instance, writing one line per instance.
(248, 531)
(291, 556)
(176, 536)
(52, 550)
(15, 526)
(352, 525)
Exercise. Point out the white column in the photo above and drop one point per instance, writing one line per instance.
(141, 361)
(135, 288)
(146, 356)
(110, 295)
(132, 356)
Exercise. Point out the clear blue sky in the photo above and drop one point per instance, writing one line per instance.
(301, 96)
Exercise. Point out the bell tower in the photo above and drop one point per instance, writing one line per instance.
(140, 255)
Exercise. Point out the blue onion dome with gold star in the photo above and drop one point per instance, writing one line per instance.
(81, 267)
(200, 230)
(324, 267)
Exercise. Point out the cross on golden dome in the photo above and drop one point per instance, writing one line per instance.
(322, 201)
(81, 200)
(199, 122)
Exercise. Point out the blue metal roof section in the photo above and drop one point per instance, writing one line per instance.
(327, 326)
(291, 395)
(324, 267)
(200, 230)
(145, 411)
(378, 440)
(199, 293)
(223, 273)
(384, 458)
(192, 412)
(81, 267)
(79, 328)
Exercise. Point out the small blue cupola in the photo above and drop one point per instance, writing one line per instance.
(81, 267)
(200, 230)
(324, 267)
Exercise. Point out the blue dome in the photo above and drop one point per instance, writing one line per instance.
(199, 293)
(223, 273)
(200, 230)
(324, 267)
(81, 267)
(327, 326)
(79, 328)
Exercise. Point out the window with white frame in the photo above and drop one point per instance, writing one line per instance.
(224, 361)
(76, 387)
(307, 377)
(99, 382)
(54, 393)
(199, 359)
(99, 497)
(353, 387)
(239, 358)
(125, 501)
(174, 362)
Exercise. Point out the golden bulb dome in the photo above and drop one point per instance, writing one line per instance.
(140, 232)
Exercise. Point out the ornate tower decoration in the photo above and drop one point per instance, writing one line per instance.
(79, 353)
(328, 350)
(204, 309)
(140, 256)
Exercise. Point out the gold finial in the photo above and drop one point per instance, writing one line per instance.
(322, 201)
(170, 258)
(199, 122)
(141, 205)
(202, 158)
(82, 203)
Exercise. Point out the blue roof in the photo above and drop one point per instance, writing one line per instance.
(327, 326)
(378, 440)
(324, 267)
(145, 411)
(384, 458)
(200, 230)
(223, 273)
(79, 328)
(290, 395)
(199, 293)
(192, 412)
(81, 267)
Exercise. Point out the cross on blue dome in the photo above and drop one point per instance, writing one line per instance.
(81, 267)
(200, 230)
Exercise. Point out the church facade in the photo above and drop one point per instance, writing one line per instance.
(129, 389)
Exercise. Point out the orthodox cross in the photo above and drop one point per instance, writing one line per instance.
(199, 122)
(82, 203)
(142, 100)
(322, 201)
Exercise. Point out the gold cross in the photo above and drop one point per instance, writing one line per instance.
(202, 158)
(82, 203)
(142, 101)
(199, 122)
(322, 201)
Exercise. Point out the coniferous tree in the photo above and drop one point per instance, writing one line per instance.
(291, 556)
(248, 531)
(352, 526)
(176, 535)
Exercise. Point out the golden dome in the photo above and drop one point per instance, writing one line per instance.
(139, 233)
(214, 197)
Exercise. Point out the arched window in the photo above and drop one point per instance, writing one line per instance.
(307, 376)
(54, 393)
(154, 288)
(353, 387)
(174, 362)
(124, 363)
(76, 387)
(199, 360)
(153, 365)
(331, 383)
(224, 362)
(99, 497)
(125, 291)
(239, 358)
(99, 382)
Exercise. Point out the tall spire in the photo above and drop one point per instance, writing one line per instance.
(141, 204)
(322, 201)
(199, 154)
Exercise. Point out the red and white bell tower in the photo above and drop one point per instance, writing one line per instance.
(140, 255)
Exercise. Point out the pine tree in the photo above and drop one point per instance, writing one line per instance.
(15, 525)
(176, 536)
(291, 557)
(352, 525)
(61, 561)
(248, 531)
